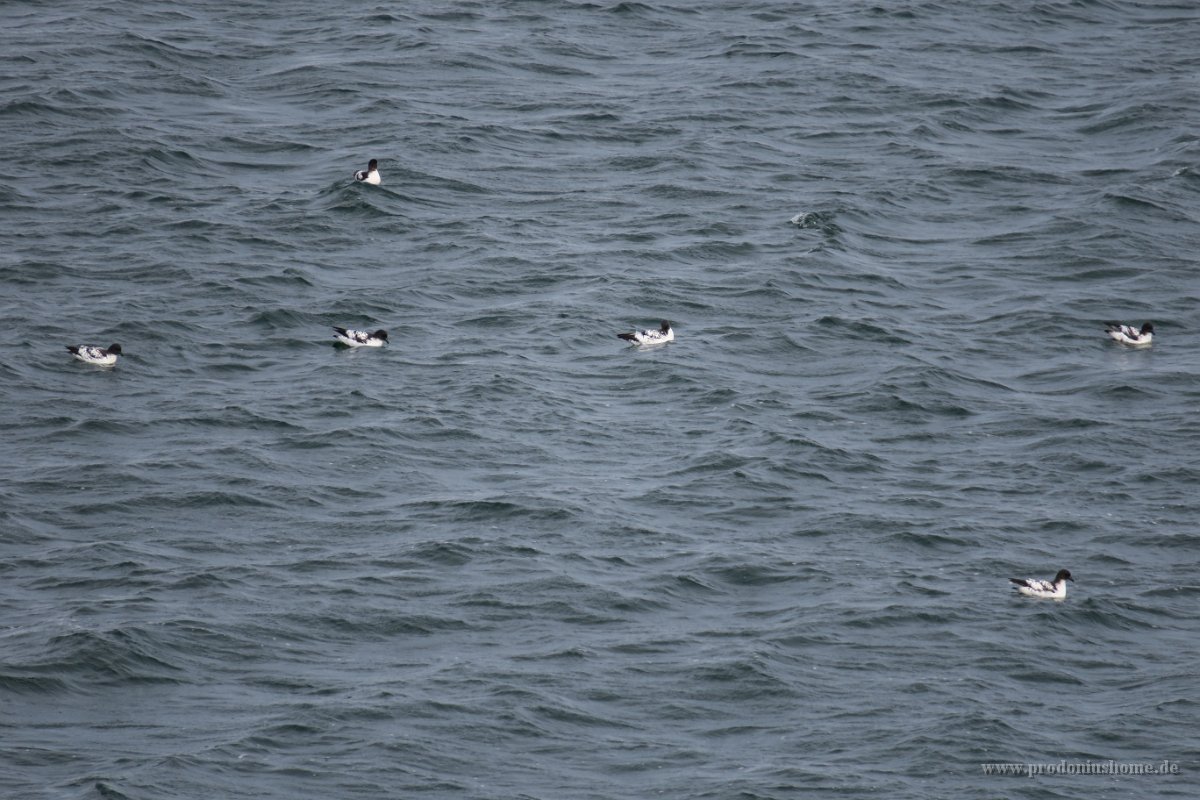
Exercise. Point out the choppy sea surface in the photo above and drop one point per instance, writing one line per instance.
(508, 556)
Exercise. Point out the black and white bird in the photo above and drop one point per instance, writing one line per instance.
(1127, 334)
(353, 338)
(1049, 590)
(370, 174)
(663, 335)
(104, 356)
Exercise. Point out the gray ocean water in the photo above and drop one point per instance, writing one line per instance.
(508, 556)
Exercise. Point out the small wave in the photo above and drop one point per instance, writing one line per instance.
(122, 655)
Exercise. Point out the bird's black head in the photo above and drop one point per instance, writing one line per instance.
(1147, 328)
(1063, 575)
(374, 164)
(380, 334)
(665, 326)
(114, 348)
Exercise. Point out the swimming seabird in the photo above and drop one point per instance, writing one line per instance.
(104, 356)
(661, 336)
(1050, 590)
(370, 174)
(1127, 334)
(353, 338)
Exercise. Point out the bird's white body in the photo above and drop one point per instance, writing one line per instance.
(1046, 590)
(1127, 334)
(664, 334)
(353, 338)
(102, 356)
(370, 174)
